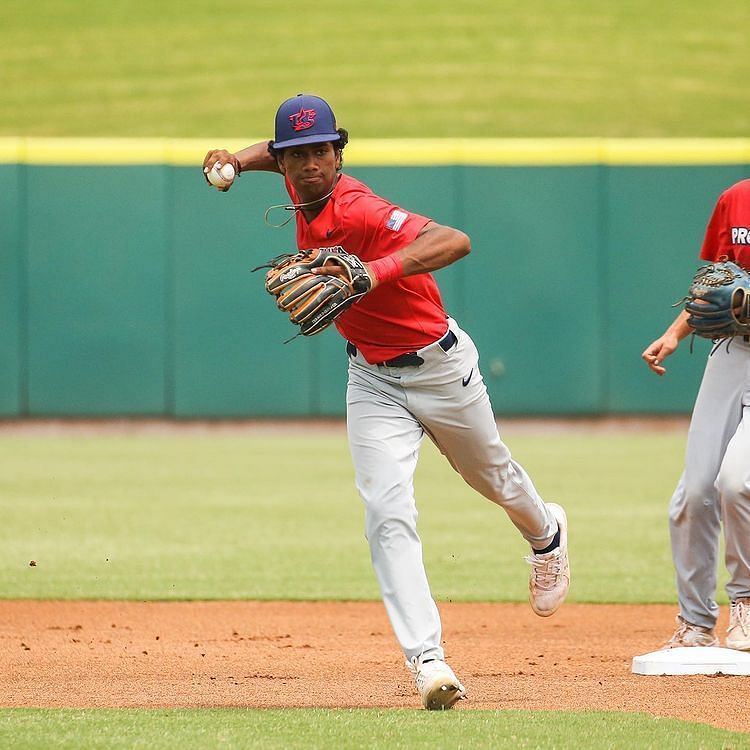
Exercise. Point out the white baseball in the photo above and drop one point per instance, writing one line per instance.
(221, 175)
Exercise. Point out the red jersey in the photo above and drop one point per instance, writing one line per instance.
(728, 231)
(397, 316)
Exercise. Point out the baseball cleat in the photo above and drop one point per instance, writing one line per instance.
(688, 634)
(738, 632)
(437, 683)
(549, 579)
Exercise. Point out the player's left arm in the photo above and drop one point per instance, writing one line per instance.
(435, 247)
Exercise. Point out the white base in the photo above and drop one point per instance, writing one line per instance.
(693, 660)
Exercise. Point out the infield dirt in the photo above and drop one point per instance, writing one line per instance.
(343, 654)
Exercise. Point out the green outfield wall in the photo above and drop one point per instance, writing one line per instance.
(125, 284)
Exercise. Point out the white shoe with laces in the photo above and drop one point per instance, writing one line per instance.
(738, 632)
(436, 683)
(549, 579)
(688, 635)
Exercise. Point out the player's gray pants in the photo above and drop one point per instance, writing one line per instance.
(389, 410)
(715, 486)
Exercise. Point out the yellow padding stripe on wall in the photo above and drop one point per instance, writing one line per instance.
(397, 152)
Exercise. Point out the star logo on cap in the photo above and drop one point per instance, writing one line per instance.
(303, 119)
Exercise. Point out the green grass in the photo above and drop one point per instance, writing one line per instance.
(472, 730)
(491, 68)
(276, 516)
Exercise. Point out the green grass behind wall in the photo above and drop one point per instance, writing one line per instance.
(491, 68)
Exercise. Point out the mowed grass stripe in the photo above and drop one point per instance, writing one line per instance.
(110, 729)
(277, 516)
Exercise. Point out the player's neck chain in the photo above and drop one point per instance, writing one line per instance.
(294, 207)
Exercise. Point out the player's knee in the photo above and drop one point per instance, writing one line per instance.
(390, 535)
(732, 484)
(697, 498)
(389, 512)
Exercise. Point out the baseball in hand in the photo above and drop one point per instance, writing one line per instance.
(221, 175)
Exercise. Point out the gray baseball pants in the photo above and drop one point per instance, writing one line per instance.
(389, 411)
(715, 488)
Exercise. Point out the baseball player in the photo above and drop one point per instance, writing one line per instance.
(715, 484)
(412, 372)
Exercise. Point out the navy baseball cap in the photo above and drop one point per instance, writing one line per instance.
(304, 119)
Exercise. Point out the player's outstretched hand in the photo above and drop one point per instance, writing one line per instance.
(658, 351)
(223, 157)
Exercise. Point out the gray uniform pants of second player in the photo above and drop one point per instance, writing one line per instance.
(715, 488)
(389, 411)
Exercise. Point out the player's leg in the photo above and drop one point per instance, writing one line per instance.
(694, 513)
(694, 530)
(734, 488)
(450, 399)
(384, 440)
(733, 484)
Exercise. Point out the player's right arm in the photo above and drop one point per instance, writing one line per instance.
(659, 350)
(255, 158)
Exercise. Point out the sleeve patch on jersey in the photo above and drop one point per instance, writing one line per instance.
(396, 220)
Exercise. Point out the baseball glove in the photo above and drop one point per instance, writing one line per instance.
(718, 301)
(314, 301)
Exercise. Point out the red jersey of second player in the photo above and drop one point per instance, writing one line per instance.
(398, 316)
(728, 231)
